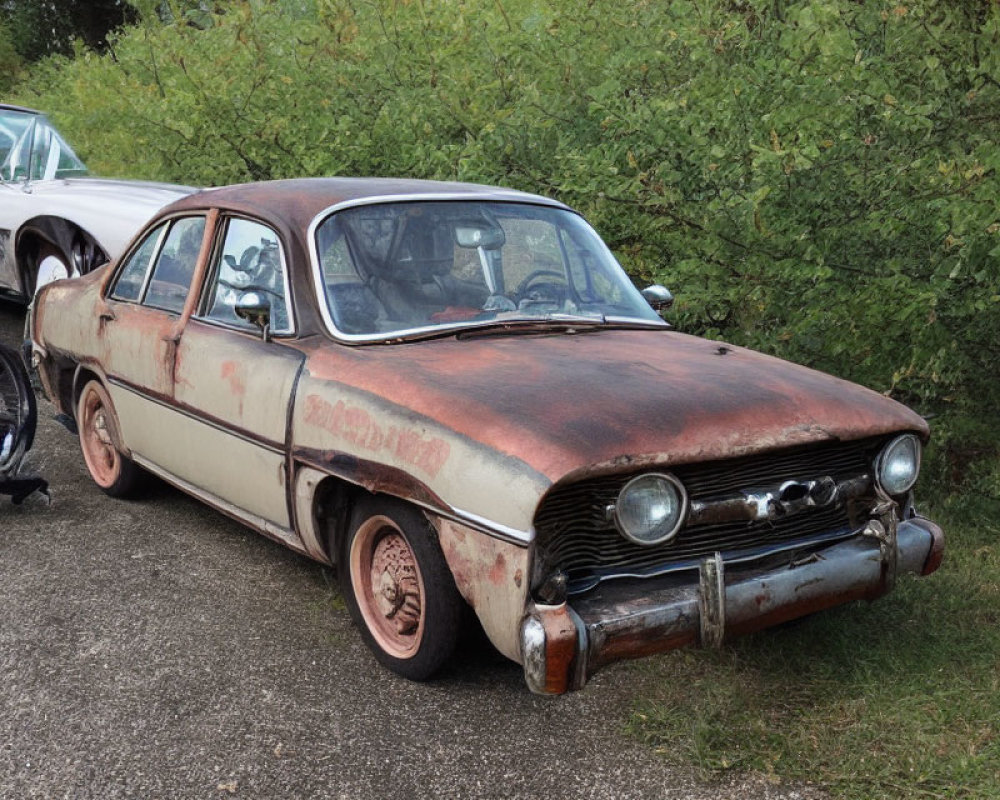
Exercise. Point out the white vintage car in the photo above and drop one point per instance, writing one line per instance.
(54, 222)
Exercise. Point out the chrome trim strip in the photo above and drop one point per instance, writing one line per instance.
(212, 423)
(483, 525)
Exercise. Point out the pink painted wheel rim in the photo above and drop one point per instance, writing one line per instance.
(96, 423)
(388, 586)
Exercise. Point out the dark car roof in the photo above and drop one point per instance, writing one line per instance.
(295, 203)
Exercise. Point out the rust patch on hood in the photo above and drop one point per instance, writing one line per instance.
(559, 402)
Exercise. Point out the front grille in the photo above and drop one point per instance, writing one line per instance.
(574, 534)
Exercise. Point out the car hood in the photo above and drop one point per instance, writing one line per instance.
(131, 198)
(111, 211)
(609, 400)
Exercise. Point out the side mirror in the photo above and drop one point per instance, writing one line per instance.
(659, 297)
(255, 309)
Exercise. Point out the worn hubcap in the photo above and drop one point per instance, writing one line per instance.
(388, 586)
(394, 583)
(98, 448)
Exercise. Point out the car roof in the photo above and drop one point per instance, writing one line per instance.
(297, 202)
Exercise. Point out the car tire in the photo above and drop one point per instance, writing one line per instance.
(100, 440)
(18, 414)
(398, 588)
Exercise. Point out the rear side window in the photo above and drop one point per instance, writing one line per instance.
(133, 275)
(159, 271)
(174, 268)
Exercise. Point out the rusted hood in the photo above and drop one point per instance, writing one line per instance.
(566, 402)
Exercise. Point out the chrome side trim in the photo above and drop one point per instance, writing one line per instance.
(483, 525)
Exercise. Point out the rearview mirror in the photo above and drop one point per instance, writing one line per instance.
(474, 236)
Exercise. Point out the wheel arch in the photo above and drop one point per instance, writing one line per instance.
(70, 392)
(43, 234)
(325, 496)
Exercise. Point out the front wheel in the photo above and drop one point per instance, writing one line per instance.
(100, 441)
(398, 588)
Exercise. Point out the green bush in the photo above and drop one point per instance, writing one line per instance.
(816, 179)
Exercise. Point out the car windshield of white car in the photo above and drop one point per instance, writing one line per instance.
(416, 267)
(32, 149)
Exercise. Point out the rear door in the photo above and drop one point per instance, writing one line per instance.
(139, 324)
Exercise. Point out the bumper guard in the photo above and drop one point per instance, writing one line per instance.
(564, 644)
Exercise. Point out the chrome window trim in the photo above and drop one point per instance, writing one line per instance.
(155, 262)
(153, 258)
(499, 196)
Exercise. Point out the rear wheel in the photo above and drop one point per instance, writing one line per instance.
(100, 441)
(399, 589)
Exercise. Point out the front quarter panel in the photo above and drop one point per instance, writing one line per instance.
(334, 422)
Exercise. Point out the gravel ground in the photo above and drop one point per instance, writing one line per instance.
(156, 649)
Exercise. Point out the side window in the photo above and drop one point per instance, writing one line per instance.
(168, 286)
(133, 275)
(250, 261)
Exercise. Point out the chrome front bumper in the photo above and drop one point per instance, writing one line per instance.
(563, 645)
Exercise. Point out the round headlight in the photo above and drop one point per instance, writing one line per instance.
(899, 464)
(651, 508)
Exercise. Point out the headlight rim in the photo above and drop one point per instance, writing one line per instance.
(883, 458)
(685, 504)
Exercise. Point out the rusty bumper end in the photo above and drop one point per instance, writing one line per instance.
(563, 645)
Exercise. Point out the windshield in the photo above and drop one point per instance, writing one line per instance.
(404, 267)
(31, 149)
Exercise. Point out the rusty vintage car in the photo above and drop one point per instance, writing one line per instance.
(454, 395)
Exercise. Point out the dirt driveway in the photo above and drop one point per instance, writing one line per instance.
(157, 649)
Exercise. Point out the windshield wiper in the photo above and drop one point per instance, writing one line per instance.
(550, 323)
(555, 323)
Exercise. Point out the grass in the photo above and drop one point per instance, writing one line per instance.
(900, 698)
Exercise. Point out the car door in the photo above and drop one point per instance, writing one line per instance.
(232, 387)
(139, 323)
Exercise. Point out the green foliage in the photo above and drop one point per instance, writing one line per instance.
(815, 178)
(10, 61)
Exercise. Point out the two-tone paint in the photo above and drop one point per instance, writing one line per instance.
(282, 434)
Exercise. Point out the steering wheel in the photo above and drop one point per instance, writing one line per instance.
(555, 290)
